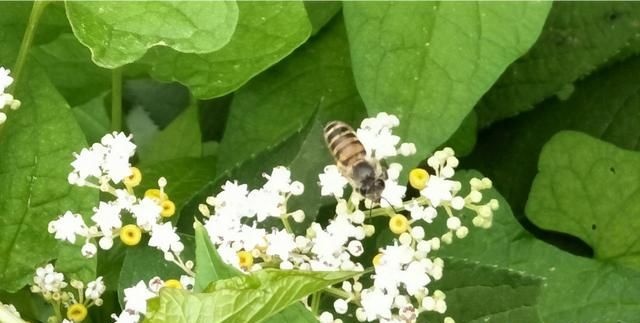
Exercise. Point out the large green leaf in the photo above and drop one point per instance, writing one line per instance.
(36, 147)
(248, 298)
(604, 105)
(321, 12)
(68, 64)
(118, 33)
(587, 188)
(93, 119)
(181, 139)
(317, 77)
(577, 38)
(266, 32)
(576, 289)
(480, 293)
(430, 62)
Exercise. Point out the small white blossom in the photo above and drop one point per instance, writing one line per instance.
(5, 79)
(165, 238)
(107, 217)
(89, 250)
(279, 181)
(136, 297)
(332, 182)
(95, 289)
(127, 316)
(281, 243)
(438, 190)
(68, 226)
(146, 212)
(48, 280)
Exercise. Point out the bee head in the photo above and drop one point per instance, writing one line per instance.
(372, 188)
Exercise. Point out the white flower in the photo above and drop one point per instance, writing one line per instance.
(89, 250)
(12, 309)
(127, 316)
(392, 193)
(422, 213)
(88, 162)
(67, 226)
(407, 149)
(95, 289)
(232, 202)
(281, 243)
(116, 167)
(415, 277)
(376, 304)
(146, 212)
(279, 180)
(296, 188)
(265, 203)
(187, 282)
(119, 144)
(47, 280)
(332, 182)
(165, 238)
(438, 190)
(5, 79)
(136, 297)
(107, 217)
(3, 116)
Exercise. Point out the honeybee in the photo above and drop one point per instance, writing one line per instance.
(366, 175)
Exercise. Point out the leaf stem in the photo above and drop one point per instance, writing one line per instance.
(27, 38)
(116, 99)
(315, 303)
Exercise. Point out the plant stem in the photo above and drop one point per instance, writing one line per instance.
(315, 303)
(285, 222)
(27, 39)
(116, 99)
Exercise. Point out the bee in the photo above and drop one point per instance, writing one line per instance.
(366, 175)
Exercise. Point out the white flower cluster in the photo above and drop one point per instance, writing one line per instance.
(402, 270)
(135, 297)
(103, 166)
(53, 287)
(6, 99)
(233, 226)
(10, 309)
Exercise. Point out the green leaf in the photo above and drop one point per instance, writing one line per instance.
(93, 119)
(185, 177)
(119, 33)
(481, 293)
(317, 77)
(68, 64)
(182, 138)
(576, 289)
(584, 187)
(142, 262)
(429, 63)
(36, 149)
(163, 102)
(603, 105)
(464, 139)
(209, 266)
(266, 32)
(13, 22)
(321, 12)
(578, 38)
(248, 298)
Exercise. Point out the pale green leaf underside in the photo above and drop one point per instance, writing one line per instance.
(430, 62)
(266, 33)
(118, 33)
(248, 298)
(589, 188)
(576, 289)
(35, 152)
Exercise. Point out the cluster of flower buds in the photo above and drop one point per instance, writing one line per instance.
(73, 295)
(6, 99)
(105, 166)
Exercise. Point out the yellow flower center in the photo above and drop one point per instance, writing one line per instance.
(134, 179)
(398, 224)
(377, 259)
(245, 259)
(418, 178)
(76, 312)
(154, 193)
(173, 283)
(130, 234)
(168, 208)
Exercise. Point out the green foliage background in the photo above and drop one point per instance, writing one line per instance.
(544, 98)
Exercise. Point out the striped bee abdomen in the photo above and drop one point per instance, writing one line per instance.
(343, 143)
